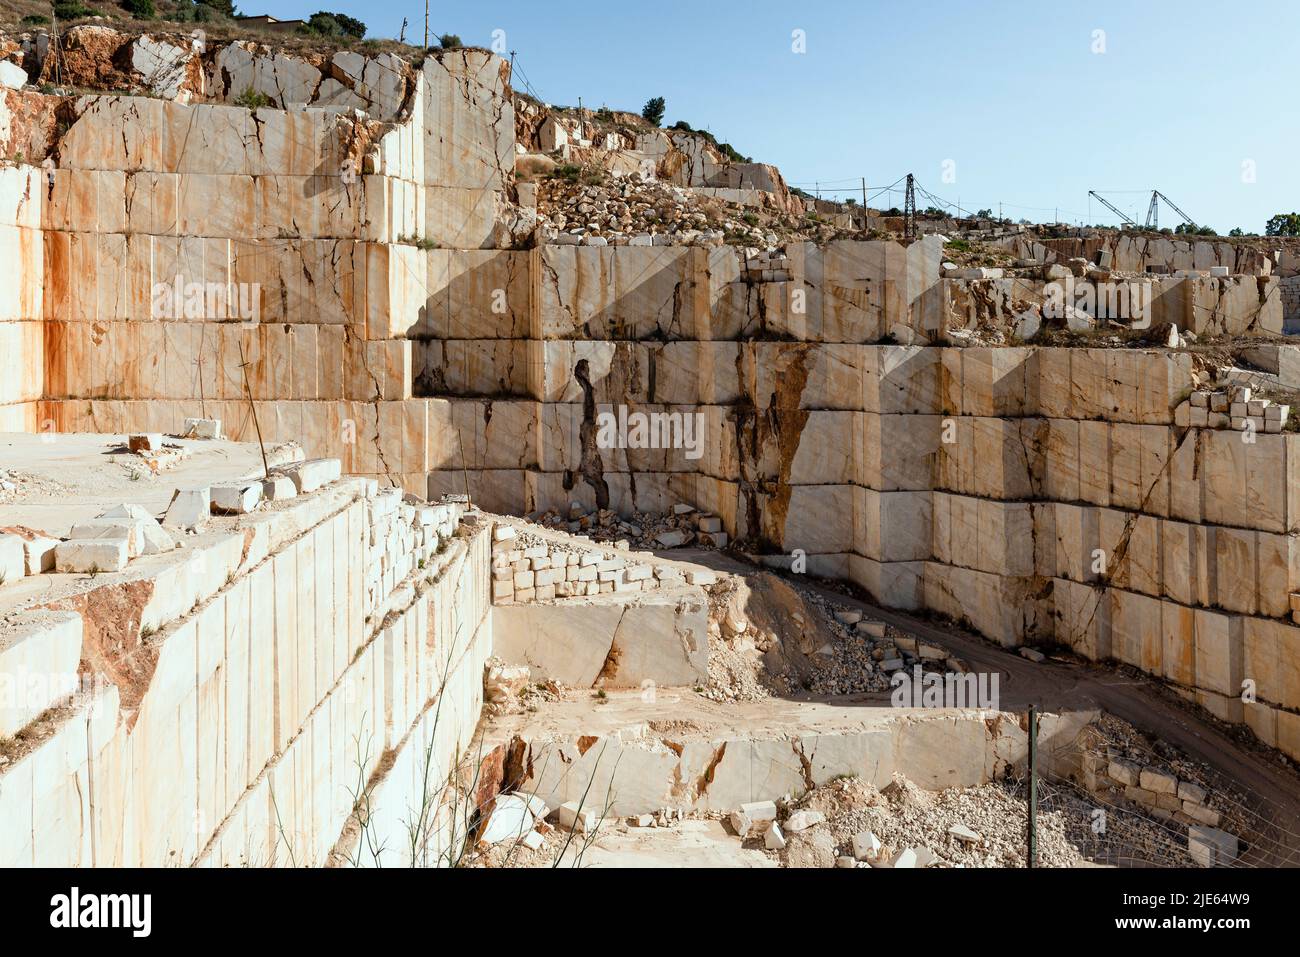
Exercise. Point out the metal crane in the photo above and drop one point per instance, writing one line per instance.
(1153, 211)
(1124, 218)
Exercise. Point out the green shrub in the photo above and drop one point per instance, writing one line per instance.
(73, 10)
(252, 99)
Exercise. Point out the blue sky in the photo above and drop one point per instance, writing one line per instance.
(1187, 97)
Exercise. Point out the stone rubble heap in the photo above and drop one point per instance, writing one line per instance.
(849, 823)
(684, 525)
(868, 653)
(624, 211)
(520, 830)
(509, 689)
(16, 484)
(629, 210)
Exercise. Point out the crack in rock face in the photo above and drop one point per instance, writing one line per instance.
(592, 467)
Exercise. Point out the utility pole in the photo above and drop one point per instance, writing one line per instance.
(864, 196)
(909, 209)
(1033, 787)
(426, 26)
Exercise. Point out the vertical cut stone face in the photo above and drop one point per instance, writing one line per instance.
(389, 324)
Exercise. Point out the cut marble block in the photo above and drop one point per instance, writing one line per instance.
(13, 558)
(1178, 638)
(901, 379)
(1081, 618)
(897, 452)
(892, 526)
(1219, 652)
(996, 382)
(92, 555)
(661, 637)
(1136, 633)
(824, 453)
(894, 584)
(813, 518)
(1010, 611)
(1271, 659)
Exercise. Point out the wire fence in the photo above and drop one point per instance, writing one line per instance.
(1121, 829)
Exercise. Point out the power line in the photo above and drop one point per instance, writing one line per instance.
(528, 86)
(827, 186)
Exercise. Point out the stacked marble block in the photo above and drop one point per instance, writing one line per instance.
(1235, 408)
(271, 691)
(527, 567)
(311, 224)
(659, 329)
(402, 537)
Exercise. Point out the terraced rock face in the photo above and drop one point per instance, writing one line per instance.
(369, 284)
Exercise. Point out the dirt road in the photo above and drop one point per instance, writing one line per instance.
(1145, 704)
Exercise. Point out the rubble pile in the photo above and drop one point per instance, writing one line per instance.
(769, 639)
(596, 208)
(519, 830)
(16, 484)
(683, 526)
(625, 211)
(849, 823)
(510, 689)
(737, 671)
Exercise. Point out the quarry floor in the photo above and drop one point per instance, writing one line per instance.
(67, 478)
(1057, 684)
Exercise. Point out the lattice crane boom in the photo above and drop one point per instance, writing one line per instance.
(1124, 217)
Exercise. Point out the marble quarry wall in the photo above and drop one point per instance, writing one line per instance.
(1127, 252)
(181, 257)
(1041, 495)
(251, 686)
(386, 306)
